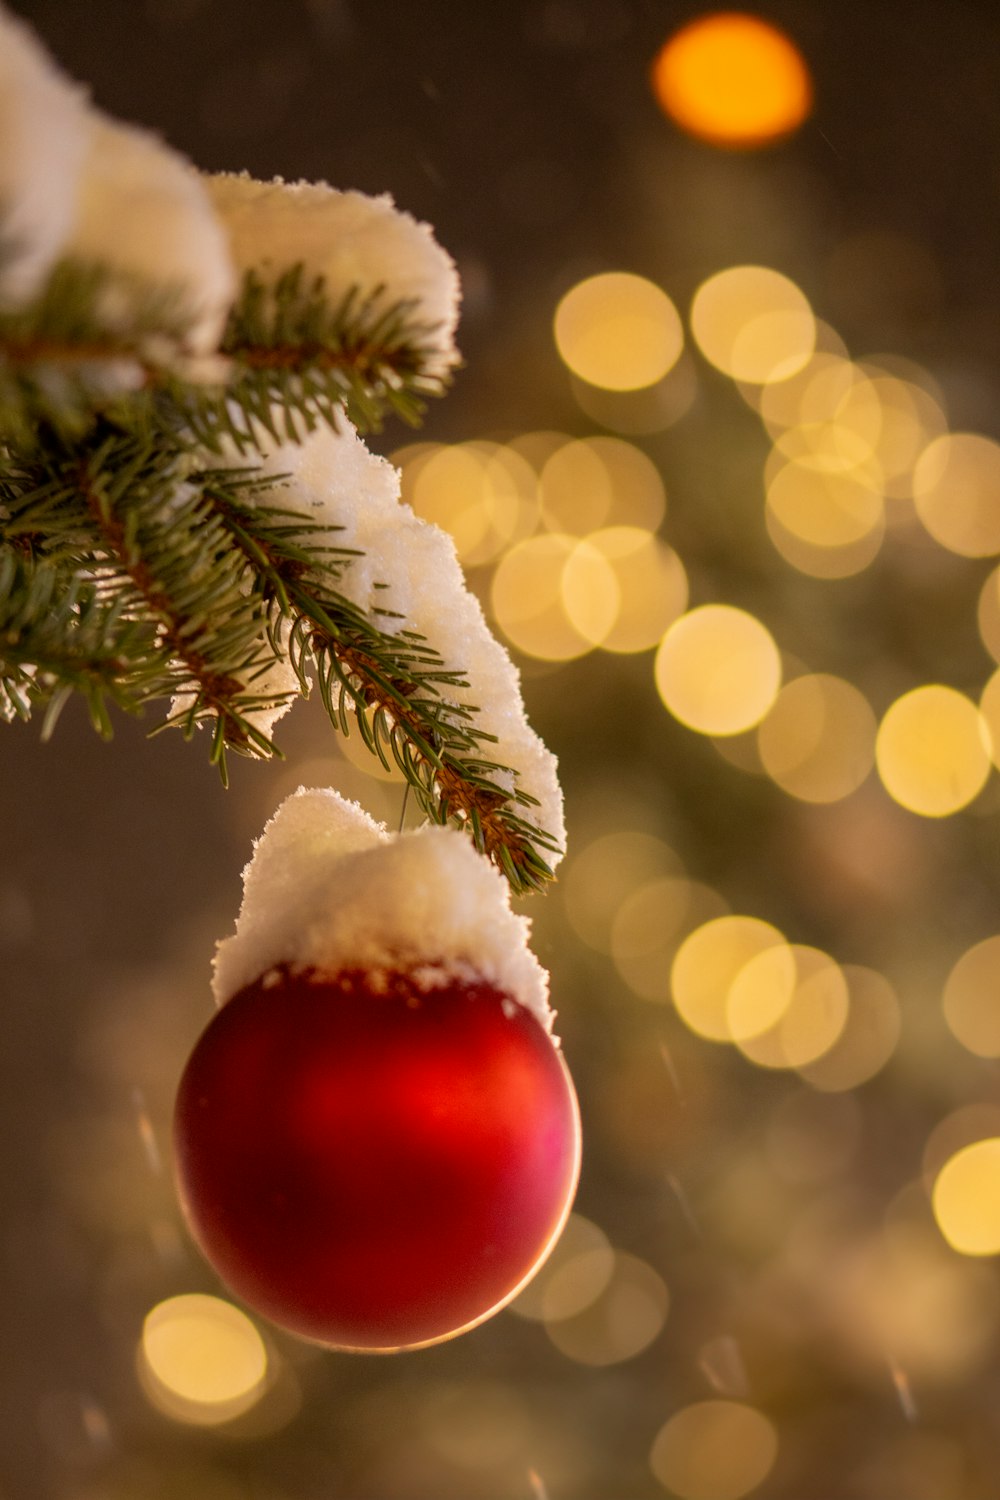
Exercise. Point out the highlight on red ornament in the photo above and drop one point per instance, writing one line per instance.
(377, 1139)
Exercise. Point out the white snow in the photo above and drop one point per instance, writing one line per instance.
(350, 239)
(143, 210)
(76, 184)
(42, 138)
(330, 889)
(356, 494)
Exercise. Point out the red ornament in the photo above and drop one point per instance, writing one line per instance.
(374, 1165)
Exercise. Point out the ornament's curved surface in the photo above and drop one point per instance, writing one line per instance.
(375, 1163)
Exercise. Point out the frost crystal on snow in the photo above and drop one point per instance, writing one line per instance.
(42, 137)
(348, 238)
(329, 889)
(410, 567)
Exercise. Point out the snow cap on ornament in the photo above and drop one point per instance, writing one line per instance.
(354, 241)
(330, 891)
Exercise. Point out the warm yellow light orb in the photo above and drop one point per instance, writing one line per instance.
(202, 1360)
(618, 331)
(971, 998)
(824, 509)
(708, 964)
(818, 741)
(753, 324)
(933, 751)
(652, 587)
(956, 489)
(733, 80)
(788, 1009)
(714, 1450)
(625, 1318)
(966, 1199)
(718, 670)
(527, 599)
(869, 1036)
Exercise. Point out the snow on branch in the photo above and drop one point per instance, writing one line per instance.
(187, 510)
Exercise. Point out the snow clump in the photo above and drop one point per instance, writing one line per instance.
(409, 567)
(351, 240)
(329, 889)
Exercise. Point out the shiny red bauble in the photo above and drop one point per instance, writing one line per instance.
(371, 1164)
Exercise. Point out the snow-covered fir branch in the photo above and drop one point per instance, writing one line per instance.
(187, 509)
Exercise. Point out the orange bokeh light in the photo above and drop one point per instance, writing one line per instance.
(733, 79)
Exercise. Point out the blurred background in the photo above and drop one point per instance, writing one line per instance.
(723, 466)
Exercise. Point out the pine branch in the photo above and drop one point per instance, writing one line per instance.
(129, 571)
(181, 583)
(392, 685)
(118, 518)
(59, 635)
(288, 349)
(298, 358)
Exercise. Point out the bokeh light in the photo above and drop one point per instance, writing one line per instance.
(707, 965)
(910, 1304)
(989, 707)
(604, 872)
(714, 1450)
(618, 331)
(753, 324)
(590, 593)
(651, 588)
(956, 489)
(718, 669)
(933, 751)
(966, 1199)
(202, 1360)
(788, 1006)
(650, 924)
(575, 1274)
(818, 740)
(869, 1036)
(483, 494)
(971, 998)
(527, 598)
(733, 79)
(597, 481)
(824, 509)
(988, 614)
(620, 1322)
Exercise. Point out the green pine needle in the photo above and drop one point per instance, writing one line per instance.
(137, 564)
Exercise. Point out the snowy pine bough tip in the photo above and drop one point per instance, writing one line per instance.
(187, 510)
(330, 890)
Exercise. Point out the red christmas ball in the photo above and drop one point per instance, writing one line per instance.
(375, 1165)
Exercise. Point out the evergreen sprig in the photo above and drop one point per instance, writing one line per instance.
(136, 565)
(290, 359)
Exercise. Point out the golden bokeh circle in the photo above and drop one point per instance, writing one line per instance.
(733, 80)
(933, 751)
(718, 669)
(618, 331)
